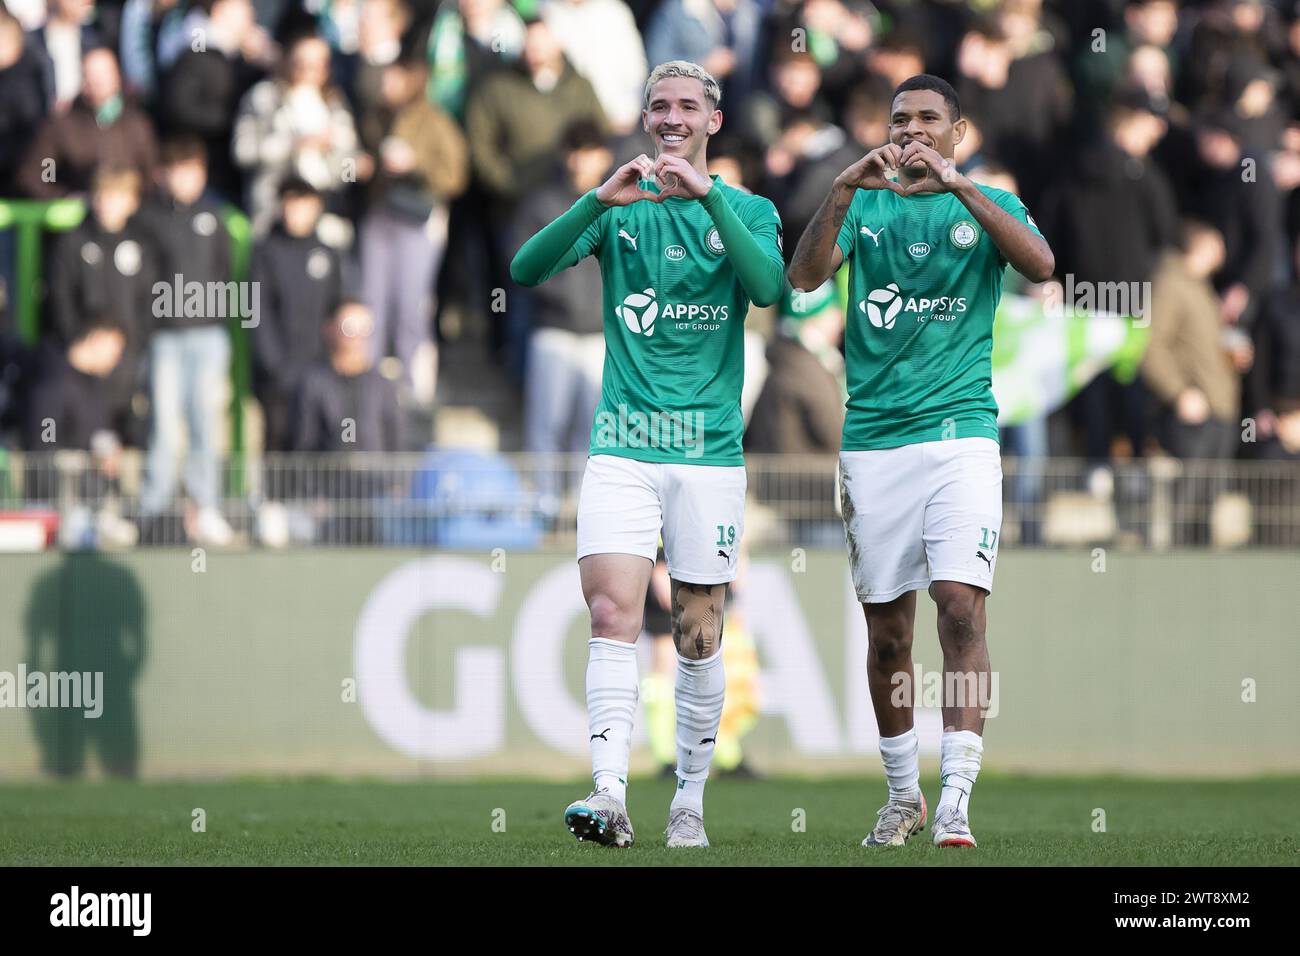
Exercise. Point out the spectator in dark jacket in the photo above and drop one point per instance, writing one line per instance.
(67, 35)
(201, 92)
(189, 350)
(71, 400)
(566, 345)
(24, 97)
(107, 266)
(301, 280)
(1109, 222)
(344, 403)
(100, 128)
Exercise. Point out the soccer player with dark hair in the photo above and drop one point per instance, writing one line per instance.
(682, 255)
(921, 474)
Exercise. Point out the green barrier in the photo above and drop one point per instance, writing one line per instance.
(363, 661)
(30, 219)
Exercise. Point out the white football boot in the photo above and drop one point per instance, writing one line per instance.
(686, 828)
(895, 822)
(600, 818)
(951, 828)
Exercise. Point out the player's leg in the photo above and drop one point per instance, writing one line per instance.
(882, 501)
(618, 528)
(962, 525)
(704, 512)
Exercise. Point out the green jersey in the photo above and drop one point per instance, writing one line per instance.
(924, 282)
(675, 301)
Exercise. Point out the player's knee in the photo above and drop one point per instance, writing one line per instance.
(959, 614)
(889, 641)
(608, 619)
(697, 619)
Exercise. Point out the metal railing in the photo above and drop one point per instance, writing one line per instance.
(475, 501)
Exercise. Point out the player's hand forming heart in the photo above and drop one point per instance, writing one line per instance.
(624, 187)
(677, 177)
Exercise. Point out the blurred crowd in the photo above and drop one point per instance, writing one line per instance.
(391, 155)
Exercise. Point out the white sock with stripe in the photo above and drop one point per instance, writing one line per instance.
(701, 687)
(959, 765)
(612, 690)
(902, 766)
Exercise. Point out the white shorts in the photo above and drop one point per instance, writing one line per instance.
(920, 513)
(700, 510)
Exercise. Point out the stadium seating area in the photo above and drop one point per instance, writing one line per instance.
(330, 194)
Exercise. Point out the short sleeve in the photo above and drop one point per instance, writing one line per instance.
(849, 228)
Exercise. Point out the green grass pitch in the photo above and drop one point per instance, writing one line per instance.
(1018, 821)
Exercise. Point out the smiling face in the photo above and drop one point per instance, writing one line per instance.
(923, 116)
(680, 119)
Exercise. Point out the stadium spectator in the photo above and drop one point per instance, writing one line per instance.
(100, 127)
(898, 55)
(1019, 89)
(189, 349)
(466, 41)
(600, 39)
(70, 409)
(801, 408)
(838, 36)
(1210, 174)
(796, 89)
(1186, 364)
(107, 266)
(296, 125)
(517, 117)
(379, 43)
(301, 280)
(1109, 220)
(345, 404)
(566, 342)
(809, 153)
(514, 124)
(67, 35)
(201, 91)
(72, 398)
(24, 97)
(720, 35)
(422, 164)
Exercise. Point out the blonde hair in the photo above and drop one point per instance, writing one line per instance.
(712, 92)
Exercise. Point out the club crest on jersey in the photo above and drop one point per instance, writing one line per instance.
(963, 234)
(713, 242)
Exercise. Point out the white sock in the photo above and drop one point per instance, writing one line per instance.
(612, 690)
(701, 687)
(902, 766)
(959, 765)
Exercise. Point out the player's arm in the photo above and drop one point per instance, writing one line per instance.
(566, 241)
(1027, 251)
(753, 253)
(819, 255)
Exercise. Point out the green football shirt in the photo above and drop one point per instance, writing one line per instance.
(924, 282)
(674, 328)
